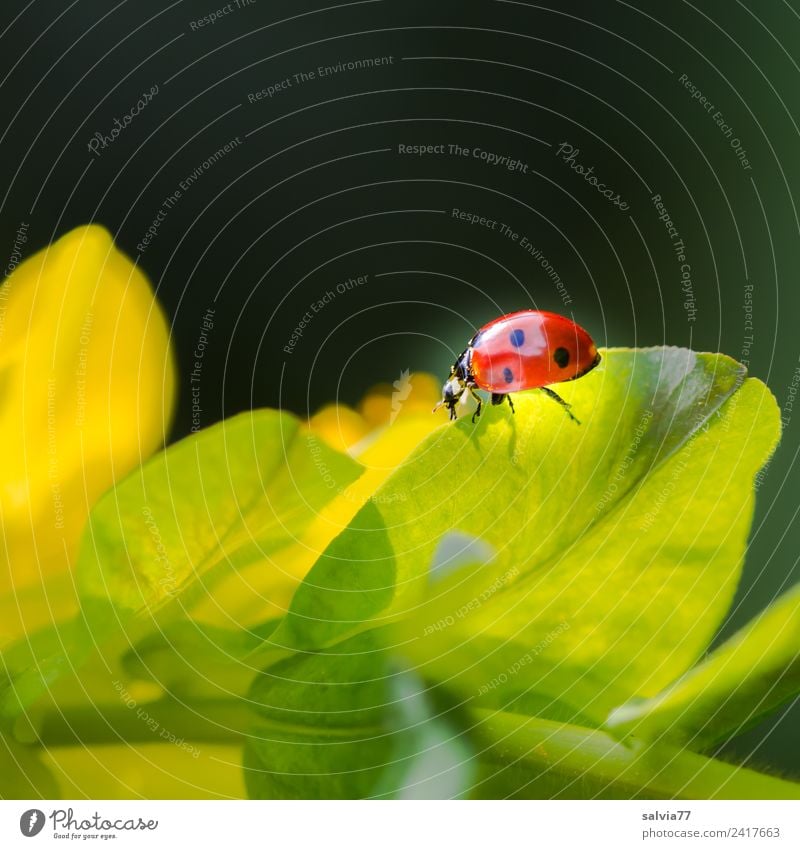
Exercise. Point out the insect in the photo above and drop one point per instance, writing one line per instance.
(529, 349)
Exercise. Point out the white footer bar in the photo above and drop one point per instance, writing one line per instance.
(402, 825)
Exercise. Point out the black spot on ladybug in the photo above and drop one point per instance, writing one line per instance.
(508, 375)
(517, 338)
(561, 356)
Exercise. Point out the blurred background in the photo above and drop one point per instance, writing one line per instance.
(325, 196)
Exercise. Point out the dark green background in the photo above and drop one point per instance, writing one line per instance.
(303, 203)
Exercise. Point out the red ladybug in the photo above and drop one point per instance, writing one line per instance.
(522, 350)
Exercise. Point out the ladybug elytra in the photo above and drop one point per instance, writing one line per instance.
(529, 349)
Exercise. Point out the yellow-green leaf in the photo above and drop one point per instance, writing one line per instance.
(618, 542)
(748, 676)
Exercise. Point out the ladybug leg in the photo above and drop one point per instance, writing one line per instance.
(567, 407)
(499, 397)
(477, 413)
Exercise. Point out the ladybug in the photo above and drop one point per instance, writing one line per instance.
(529, 349)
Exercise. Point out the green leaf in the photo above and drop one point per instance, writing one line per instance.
(34, 663)
(216, 505)
(347, 724)
(554, 760)
(128, 720)
(193, 660)
(747, 677)
(438, 761)
(227, 504)
(23, 775)
(618, 543)
(322, 730)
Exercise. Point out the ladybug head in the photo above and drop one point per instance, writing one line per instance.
(452, 392)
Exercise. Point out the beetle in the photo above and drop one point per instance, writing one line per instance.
(529, 349)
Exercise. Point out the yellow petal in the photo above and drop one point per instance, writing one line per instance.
(178, 769)
(339, 426)
(88, 386)
(266, 589)
(381, 452)
(376, 407)
(410, 394)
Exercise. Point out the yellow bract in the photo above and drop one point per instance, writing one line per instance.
(87, 391)
(393, 422)
(389, 423)
(88, 387)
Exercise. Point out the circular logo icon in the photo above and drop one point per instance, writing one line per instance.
(31, 822)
